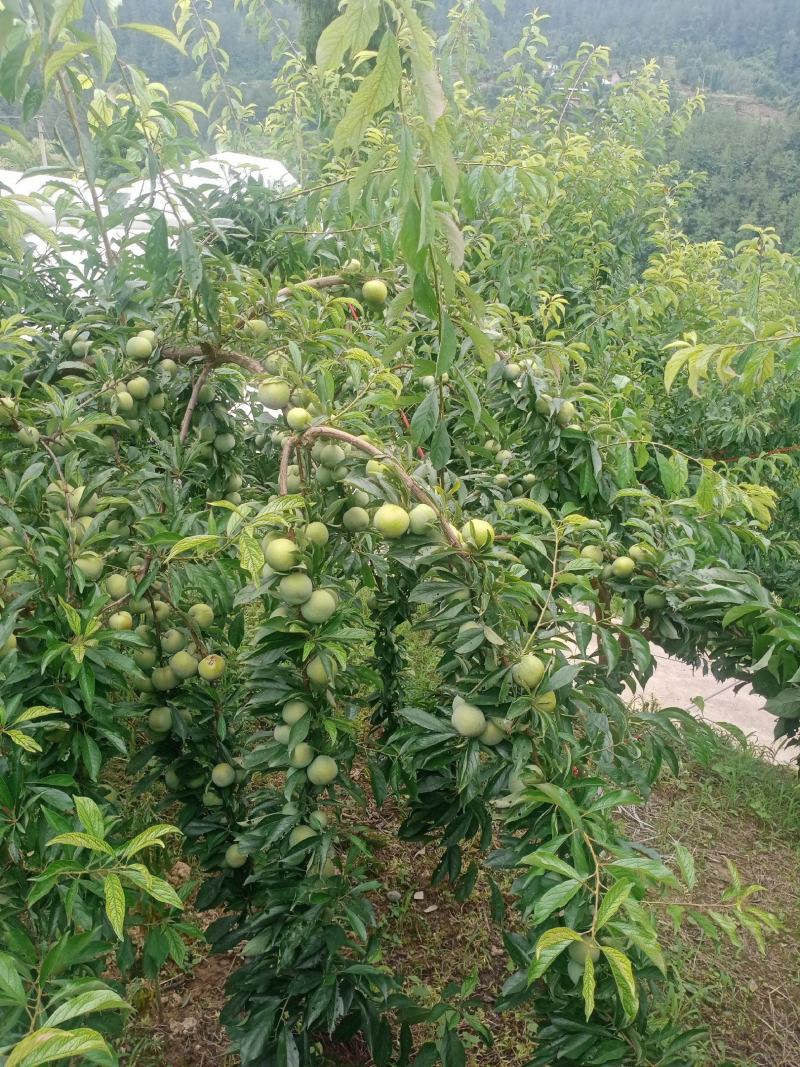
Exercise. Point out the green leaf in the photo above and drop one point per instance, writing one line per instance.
(425, 418)
(612, 902)
(106, 46)
(549, 947)
(63, 13)
(148, 838)
(90, 816)
(191, 262)
(441, 448)
(454, 237)
(71, 615)
(94, 844)
(251, 556)
(198, 543)
(162, 891)
(86, 1004)
(287, 1054)
(426, 720)
(40, 711)
(483, 345)
(554, 899)
(46, 1045)
(674, 365)
(115, 904)
(12, 990)
(377, 91)
(160, 32)
(63, 57)
(156, 249)
(448, 345)
(548, 861)
(23, 741)
(350, 32)
(588, 987)
(623, 979)
(685, 862)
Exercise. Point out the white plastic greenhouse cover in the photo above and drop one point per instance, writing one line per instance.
(52, 201)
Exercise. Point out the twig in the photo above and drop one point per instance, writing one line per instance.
(215, 357)
(413, 487)
(73, 117)
(193, 399)
(329, 281)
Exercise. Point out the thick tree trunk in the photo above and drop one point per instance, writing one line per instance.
(315, 14)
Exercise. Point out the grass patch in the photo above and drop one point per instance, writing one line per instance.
(732, 804)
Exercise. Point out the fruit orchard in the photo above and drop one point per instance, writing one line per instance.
(464, 377)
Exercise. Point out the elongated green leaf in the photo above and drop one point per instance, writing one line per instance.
(550, 862)
(63, 57)
(251, 556)
(40, 711)
(64, 12)
(22, 740)
(163, 34)
(47, 1044)
(377, 91)
(198, 543)
(350, 32)
(548, 948)
(158, 889)
(115, 904)
(152, 836)
(674, 365)
(12, 990)
(685, 862)
(90, 816)
(94, 844)
(106, 46)
(424, 419)
(612, 902)
(622, 972)
(589, 984)
(85, 1004)
(71, 615)
(554, 899)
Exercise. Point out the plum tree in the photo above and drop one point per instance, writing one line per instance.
(267, 553)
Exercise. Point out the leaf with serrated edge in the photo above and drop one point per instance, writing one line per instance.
(588, 987)
(115, 904)
(148, 838)
(622, 972)
(612, 902)
(85, 1004)
(94, 844)
(48, 1044)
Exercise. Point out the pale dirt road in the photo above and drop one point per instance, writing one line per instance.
(675, 683)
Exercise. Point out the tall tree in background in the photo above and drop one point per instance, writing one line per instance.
(316, 14)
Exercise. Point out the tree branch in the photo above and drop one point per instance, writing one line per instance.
(450, 532)
(193, 399)
(329, 281)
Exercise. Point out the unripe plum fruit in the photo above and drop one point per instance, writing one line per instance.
(211, 668)
(391, 520)
(468, 720)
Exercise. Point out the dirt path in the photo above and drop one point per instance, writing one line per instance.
(674, 684)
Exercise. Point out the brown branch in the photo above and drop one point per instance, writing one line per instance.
(329, 281)
(450, 532)
(215, 357)
(193, 399)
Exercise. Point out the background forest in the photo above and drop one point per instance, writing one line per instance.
(744, 57)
